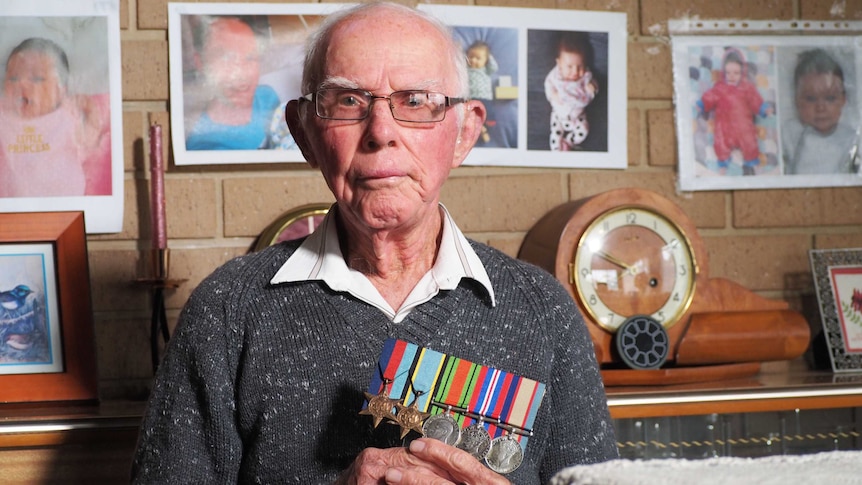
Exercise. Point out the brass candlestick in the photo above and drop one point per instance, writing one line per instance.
(159, 268)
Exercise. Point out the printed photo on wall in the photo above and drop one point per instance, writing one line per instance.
(61, 144)
(553, 83)
(234, 67)
(766, 111)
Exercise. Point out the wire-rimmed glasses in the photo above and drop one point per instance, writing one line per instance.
(413, 106)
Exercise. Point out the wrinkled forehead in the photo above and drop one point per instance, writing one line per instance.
(390, 48)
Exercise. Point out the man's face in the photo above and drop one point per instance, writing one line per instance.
(571, 65)
(387, 174)
(819, 100)
(231, 62)
(732, 73)
(32, 85)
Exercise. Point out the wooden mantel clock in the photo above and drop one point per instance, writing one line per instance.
(638, 270)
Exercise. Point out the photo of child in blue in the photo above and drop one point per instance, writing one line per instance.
(238, 110)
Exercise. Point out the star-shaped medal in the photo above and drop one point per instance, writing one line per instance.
(380, 406)
(410, 418)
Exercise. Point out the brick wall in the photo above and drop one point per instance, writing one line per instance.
(759, 238)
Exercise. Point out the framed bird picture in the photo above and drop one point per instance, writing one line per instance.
(46, 325)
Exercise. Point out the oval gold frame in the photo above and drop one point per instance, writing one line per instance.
(270, 235)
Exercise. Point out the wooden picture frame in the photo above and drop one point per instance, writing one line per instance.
(838, 283)
(61, 300)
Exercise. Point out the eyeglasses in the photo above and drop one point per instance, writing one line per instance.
(355, 104)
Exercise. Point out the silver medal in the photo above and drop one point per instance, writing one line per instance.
(505, 454)
(442, 427)
(475, 440)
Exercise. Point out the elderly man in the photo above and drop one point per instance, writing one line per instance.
(267, 374)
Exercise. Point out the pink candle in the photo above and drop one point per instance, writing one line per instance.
(157, 192)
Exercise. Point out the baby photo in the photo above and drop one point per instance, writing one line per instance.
(733, 113)
(567, 104)
(820, 117)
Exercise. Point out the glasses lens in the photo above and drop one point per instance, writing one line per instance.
(419, 106)
(342, 104)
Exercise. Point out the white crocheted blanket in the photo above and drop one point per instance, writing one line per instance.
(832, 468)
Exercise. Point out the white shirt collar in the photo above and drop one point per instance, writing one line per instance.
(319, 257)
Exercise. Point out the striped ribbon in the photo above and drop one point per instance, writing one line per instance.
(424, 375)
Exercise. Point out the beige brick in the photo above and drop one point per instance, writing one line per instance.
(145, 70)
(131, 204)
(113, 277)
(661, 138)
(133, 127)
(124, 14)
(821, 10)
(191, 208)
(705, 209)
(797, 207)
(633, 146)
(251, 204)
(628, 7)
(152, 14)
(838, 241)
(518, 3)
(759, 263)
(502, 202)
(649, 71)
(656, 13)
(191, 266)
(509, 245)
(123, 349)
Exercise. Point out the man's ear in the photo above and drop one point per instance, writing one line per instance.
(471, 128)
(297, 130)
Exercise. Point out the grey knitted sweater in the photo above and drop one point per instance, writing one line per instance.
(264, 384)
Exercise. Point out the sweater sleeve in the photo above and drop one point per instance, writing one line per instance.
(189, 433)
(583, 430)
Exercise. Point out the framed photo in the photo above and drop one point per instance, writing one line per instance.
(553, 83)
(61, 147)
(838, 282)
(46, 322)
(233, 68)
(767, 111)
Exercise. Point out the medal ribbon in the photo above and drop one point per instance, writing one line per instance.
(491, 393)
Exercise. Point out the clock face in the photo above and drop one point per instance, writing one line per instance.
(633, 261)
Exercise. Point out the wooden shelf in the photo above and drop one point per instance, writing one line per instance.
(779, 386)
(54, 425)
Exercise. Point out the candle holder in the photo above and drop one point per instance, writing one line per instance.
(158, 282)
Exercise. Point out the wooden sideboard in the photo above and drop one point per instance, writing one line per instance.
(94, 443)
(779, 386)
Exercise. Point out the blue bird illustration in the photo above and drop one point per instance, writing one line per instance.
(14, 298)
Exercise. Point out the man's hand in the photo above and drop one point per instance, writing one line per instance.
(426, 462)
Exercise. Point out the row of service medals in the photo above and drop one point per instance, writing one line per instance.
(502, 454)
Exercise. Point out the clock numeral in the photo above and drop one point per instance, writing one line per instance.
(593, 300)
(631, 218)
(585, 272)
(683, 270)
(659, 315)
(611, 319)
(675, 296)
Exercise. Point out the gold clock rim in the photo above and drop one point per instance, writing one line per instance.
(670, 322)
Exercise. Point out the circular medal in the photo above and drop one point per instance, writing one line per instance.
(505, 454)
(442, 427)
(475, 440)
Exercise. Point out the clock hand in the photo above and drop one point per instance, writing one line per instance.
(629, 269)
